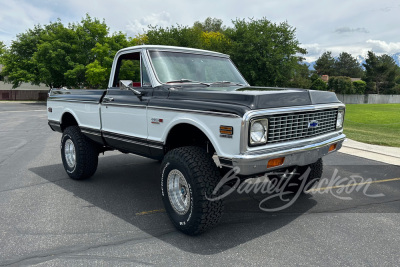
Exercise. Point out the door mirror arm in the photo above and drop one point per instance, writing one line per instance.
(128, 85)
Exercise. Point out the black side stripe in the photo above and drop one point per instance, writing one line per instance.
(90, 131)
(133, 139)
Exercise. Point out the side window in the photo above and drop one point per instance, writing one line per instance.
(128, 68)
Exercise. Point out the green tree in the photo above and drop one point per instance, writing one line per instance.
(175, 35)
(347, 65)
(318, 84)
(301, 77)
(3, 49)
(215, 41)
(210, 25)
(314, 76)
(380, 70)
(208, 35)
(97, 73)
(266, 53)
(59, 55)
(54, 54)
(325, 64)
(17, 60)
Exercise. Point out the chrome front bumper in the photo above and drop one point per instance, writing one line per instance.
(303, 153)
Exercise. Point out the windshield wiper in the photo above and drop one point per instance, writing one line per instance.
(227, 82)
(187, 81)
(180, 81)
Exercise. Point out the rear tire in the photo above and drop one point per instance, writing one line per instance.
(188, 175)
(79, 154)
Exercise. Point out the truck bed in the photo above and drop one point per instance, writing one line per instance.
(79, 95)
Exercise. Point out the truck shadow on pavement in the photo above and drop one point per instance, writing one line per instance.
(128, 187)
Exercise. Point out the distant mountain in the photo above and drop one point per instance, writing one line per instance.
(310, 65)
(360, 59)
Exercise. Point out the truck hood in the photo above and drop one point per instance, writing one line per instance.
(254, 97)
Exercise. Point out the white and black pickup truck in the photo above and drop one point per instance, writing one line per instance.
(193, 111)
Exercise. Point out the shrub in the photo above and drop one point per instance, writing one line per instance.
(341, 85)
(371, 88)
(318, 84)
(394, 91)
(359, 87)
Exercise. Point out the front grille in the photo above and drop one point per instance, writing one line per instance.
(294, 126)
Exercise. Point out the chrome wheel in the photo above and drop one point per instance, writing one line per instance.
(69, 151)
(178, 192)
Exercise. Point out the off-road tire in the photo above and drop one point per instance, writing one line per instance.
(202, 176)
(86, 154)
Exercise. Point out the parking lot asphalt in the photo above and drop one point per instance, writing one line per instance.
(117, 217)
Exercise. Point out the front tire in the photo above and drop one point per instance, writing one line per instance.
(188, 177)
(79, 154)
(315, 173)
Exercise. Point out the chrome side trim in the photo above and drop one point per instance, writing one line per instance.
(131, 141)
(90, 132)
(54, 122)
(244, 136)
(73, 100)
(124, 105)
(203, 112)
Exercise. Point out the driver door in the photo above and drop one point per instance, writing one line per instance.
(124, 114)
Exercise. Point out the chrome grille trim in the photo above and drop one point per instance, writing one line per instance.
(248, 116)
(293, 126)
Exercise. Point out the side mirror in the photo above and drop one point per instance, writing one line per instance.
(128, 85)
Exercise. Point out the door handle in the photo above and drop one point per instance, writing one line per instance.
(108, 99)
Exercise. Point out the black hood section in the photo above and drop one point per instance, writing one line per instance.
(248, 98)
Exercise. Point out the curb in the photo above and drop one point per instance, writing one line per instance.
(388, 155)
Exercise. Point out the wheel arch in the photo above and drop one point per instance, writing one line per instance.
(68, 119)
(186, 133)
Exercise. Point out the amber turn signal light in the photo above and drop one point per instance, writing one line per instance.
(332, 147)
(275, 162)
(226, 130)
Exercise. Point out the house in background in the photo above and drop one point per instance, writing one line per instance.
(25, 92)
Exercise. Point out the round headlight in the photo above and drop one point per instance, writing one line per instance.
(258, 132)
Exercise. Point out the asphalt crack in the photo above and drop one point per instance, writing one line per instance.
(56, 253)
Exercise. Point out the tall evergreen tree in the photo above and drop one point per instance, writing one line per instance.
(380, 70)
(347, 65)
(325, 64)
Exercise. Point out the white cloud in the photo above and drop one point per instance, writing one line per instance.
(16, 17)
(136, 26)
(353, 26)
(315, 50)
(379, 46)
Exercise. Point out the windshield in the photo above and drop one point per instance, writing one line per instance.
(183, 67)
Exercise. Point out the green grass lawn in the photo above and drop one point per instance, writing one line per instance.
(377, 124)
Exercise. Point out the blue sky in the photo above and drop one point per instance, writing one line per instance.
(354, 26)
